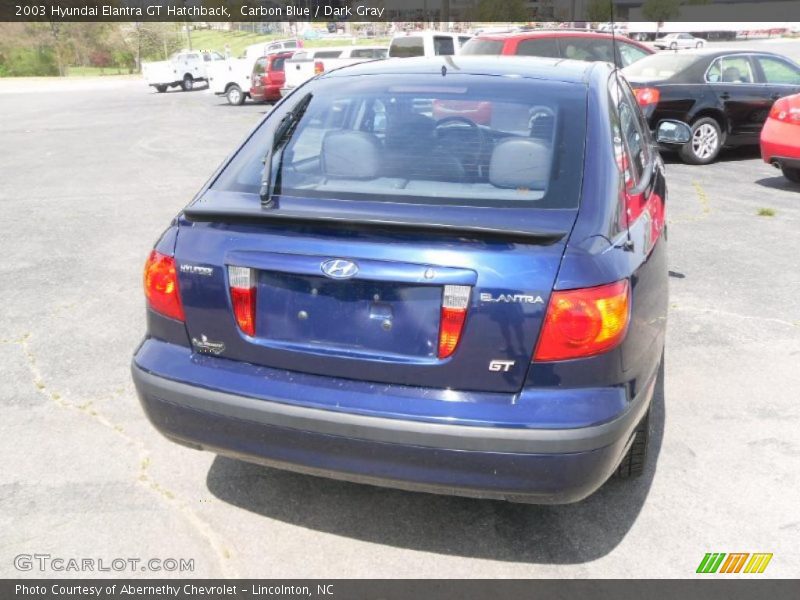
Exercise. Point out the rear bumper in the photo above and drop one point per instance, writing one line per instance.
(542, 465)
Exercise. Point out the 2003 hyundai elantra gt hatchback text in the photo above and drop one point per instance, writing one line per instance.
(365, 292)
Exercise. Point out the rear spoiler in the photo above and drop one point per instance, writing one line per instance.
(527, 225)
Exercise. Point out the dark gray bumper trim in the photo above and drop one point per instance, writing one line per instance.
(393, 431)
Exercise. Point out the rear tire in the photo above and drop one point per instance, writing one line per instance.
(791, 174)
(187, 84)
(698, 45)
(161, 89)
(706, 142)
(235, 95)
(635, 460)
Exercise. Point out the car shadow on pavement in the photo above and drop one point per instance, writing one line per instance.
(779, 182)
(725, 155)
(465, 527)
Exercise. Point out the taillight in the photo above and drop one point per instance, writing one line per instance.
(647, 96)
(243, 298)
(584, 322)
(161, 286)
(784, 112)
(454, 311)
(319, 67)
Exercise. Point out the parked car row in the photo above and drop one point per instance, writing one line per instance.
(725, 96)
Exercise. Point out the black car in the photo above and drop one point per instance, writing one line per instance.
(724, 95)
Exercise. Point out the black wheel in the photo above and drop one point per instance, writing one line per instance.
(698, 45)
(706, 142)
(673, 46)
(791, 174)
(235, 95)
(635, 460)
(161, 89)
(187, 84)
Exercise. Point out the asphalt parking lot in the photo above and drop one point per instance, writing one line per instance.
(93, 171)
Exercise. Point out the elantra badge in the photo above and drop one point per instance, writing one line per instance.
(338, 268)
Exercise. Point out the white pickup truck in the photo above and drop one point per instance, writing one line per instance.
(231, 78)
(309, 62)
(183, 69)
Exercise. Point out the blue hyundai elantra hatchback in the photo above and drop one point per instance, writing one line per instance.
(443, 274)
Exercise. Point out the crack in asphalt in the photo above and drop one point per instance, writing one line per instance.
(725, 313)
(144, 477)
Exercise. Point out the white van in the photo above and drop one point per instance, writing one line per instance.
(427, 43)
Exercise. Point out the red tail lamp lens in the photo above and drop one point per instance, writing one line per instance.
(161, 286)
(783, 111)
(584, 322)
(647, 96)
(454, 312)
(243, 298)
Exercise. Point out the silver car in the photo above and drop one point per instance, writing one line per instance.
(673, 41)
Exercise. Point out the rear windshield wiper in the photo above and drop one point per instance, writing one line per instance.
(283, 132)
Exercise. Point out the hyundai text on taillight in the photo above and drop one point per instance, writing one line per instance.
(161, 286)
(584, 322)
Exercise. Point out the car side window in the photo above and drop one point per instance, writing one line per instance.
(588, 49)
(778, 71)
(443, 45)
(630, 134)
(463, 40)
(730, 69)
(629, 54)
(540, 47)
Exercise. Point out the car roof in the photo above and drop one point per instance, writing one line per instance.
(715, 52)
(524, 35)
(529, 67)
(427, 32)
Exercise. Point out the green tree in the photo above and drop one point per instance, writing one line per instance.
(660, 11)
(598, 11)
(488, 11)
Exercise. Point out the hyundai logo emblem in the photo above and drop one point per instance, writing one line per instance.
(338, 268)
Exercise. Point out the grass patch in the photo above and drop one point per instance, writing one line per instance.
(766, 212)
(95, 71)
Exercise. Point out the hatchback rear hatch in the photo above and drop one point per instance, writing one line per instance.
(391, 247)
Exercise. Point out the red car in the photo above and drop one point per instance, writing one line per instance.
(780, 137)
(558, 43)
(268, 77)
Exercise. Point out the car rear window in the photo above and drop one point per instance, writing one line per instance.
(277, 63)
(464, 139)
(405, 47)
(260, 66)
(659, 67)
(476, 46)
(443, 45)
(368, 53)
(327, 54)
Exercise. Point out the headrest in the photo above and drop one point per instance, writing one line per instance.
(351, 155)
(520, 163)
(731, 74)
